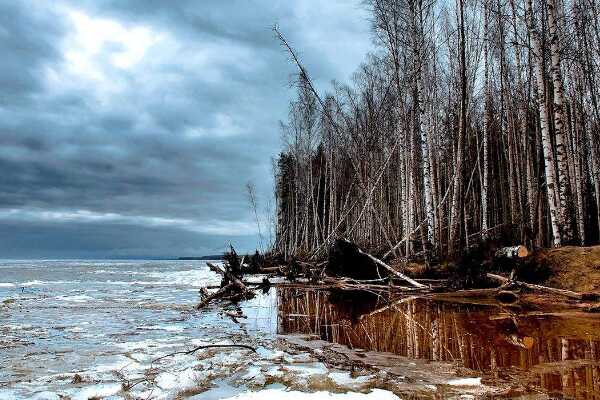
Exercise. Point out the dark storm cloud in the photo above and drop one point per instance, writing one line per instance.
(24, 49)
(143, 120)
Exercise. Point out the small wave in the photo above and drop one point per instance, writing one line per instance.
(118, 271)
(45, 283)
(75, 299)
(7, 285)
(168, 328)
(192, 277)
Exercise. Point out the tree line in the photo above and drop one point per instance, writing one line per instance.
(471, 120)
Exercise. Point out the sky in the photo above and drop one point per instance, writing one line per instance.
(130, 128)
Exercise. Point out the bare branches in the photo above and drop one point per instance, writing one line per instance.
(454, 81)
(203, 347)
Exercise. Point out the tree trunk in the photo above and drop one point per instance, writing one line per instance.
(559, 125)
(538, 64)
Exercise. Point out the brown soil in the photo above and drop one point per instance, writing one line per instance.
(572, 268)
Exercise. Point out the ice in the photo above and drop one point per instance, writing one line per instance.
(308, 369)
(465, 382)
(168, 328)
(94, 391)
(76, 298)
(345, 379)
(45, 396)
(44, 283)
(119, 363)
(8, 394)
(252, 373)
(194, 277)
(279, 394)
(274, 371)
(74, 322)
(269, 354)
(180, 380)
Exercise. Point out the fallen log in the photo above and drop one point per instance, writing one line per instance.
(228, 275)
(346, 259)
(519, 251)
(350, 284)
(219, 293)
(393, 271)
(232, 288)
(507, 297)
(466, 293)
(269, 270)
(560, 292)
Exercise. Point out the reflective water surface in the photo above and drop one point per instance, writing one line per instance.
(95, 329)
(536, 352)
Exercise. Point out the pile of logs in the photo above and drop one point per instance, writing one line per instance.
(232, 288)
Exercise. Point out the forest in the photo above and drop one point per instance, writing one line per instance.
(470, 120)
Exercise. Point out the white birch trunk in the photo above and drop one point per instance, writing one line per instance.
(418, 43)
(545, 130)
(454, 239)
(486, 126)
(559, 124)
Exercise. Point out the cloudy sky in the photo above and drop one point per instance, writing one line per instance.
(129, 128)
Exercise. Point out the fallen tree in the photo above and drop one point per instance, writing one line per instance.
(346, 259)
(474, 277)
(232, 287)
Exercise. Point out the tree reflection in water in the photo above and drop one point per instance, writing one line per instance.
(558, 353)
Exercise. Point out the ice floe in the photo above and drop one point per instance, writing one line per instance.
(280, 394)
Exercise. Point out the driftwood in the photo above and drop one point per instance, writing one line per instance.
(216, 295)
(269, 270)
(206, 346)
(393, 271)
(561, 292)
(351, 284)
(232, 288)
(228, 275)
(346, 259)
(512, 252)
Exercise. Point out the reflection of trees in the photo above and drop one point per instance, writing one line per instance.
(557, 353)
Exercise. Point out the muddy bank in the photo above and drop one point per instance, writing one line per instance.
(572, 268)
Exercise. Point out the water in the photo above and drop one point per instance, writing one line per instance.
(91, 329)
(520, 352)
(94, 329)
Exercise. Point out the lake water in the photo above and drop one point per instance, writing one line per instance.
(95, 329)
(92, 329)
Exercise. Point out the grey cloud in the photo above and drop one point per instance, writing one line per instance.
(178, 137)
(27, 40)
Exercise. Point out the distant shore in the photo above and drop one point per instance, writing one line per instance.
(210, 257)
